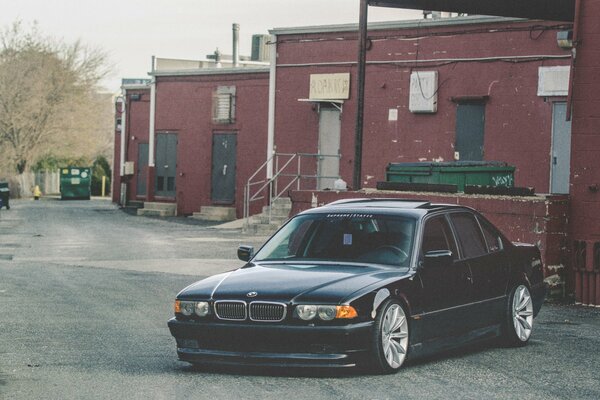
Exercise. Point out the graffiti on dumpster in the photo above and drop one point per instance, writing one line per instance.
(506, 180)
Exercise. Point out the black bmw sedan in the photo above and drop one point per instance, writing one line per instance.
(363, 282)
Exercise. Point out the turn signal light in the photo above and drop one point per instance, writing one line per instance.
(346, 312)
(177, 306)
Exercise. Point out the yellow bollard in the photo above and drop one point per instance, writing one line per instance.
(103, 186)
(37, 193)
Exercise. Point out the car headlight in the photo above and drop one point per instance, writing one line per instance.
(327, 313)
(202, 308)
(187, 308)
(307, 312)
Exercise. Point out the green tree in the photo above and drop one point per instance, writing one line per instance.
(49, 98)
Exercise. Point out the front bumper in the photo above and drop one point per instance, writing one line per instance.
(244, 343)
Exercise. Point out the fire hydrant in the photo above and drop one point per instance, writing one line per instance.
(37, 193)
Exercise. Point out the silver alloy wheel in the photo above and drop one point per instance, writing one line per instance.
(522, 311)
(394, 336)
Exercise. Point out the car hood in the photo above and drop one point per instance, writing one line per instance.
(287, 282)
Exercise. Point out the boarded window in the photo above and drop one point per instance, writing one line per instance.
(224, 105)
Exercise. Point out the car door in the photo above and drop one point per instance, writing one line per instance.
(488, 264)
(446, 289)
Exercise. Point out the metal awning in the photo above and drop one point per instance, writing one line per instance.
(553, 10)
(334, 102)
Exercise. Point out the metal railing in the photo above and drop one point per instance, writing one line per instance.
(283, 176)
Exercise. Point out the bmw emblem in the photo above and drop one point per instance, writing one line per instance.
(251, 294)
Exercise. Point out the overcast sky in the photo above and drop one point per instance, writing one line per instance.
(131, 31)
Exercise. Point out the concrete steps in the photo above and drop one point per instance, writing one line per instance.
(262, 224)
(154, 209)
(215, 213)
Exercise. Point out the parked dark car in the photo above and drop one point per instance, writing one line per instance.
(367, 281)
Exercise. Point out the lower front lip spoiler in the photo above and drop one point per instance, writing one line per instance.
(203, 356)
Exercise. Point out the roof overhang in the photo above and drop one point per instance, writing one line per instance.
(553, 10)
(211, 71)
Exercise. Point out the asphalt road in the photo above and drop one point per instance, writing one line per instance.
(86, 290)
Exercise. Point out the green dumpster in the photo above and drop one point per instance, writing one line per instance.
(4, 195)
(75, 183)
(460, 173)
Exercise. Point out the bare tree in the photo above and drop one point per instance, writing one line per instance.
(48, 97)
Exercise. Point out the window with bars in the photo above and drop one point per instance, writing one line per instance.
(224, 105)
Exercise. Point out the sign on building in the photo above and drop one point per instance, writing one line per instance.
(329, 86)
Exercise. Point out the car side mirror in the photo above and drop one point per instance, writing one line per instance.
(438, 258)
(245, 253)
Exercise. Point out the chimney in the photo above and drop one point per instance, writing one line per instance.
(236, 45)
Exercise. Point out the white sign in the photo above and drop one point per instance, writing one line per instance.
(393, 114)
(329, 86)
(423, 92)
(553, 81)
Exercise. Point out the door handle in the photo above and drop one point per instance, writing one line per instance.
(225, 169)
(554, 160)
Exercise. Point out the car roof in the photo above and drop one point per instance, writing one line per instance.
(384, 205)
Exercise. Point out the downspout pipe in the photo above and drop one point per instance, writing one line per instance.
(152, 115)
(576, 20)
(271, 121)
(123, 132)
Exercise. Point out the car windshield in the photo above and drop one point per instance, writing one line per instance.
(363, 238)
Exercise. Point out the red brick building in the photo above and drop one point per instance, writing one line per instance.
(191, 137)
(484, 74)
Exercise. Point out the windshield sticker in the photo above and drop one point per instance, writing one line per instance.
(349, 215)
(347, 239)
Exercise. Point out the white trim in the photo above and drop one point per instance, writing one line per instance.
(123, 133)
(271, 112)
(211, 71)
(151, 124)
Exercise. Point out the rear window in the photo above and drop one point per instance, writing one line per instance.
(468, 234)
(492, 237)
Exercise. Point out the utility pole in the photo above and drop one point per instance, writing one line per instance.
(360, 103)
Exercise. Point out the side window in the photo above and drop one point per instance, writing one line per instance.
(492, 238)
(468, 234)
(438, 236)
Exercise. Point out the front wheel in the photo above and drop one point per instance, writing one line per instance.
(519, 317)
(389, 342)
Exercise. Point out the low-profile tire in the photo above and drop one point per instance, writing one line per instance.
(390, 338)
(518, 324)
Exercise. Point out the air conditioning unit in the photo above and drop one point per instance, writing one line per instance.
(260, 48)
(128, 168)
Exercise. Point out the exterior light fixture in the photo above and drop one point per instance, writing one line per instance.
(564, 39)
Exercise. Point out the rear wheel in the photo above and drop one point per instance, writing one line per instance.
(519, 317)
(389, 342)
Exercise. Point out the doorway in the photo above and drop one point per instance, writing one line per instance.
(166, 164)
(223, 168)
(470, 124)
(328, 164)
(142, 167)
(560, 156)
